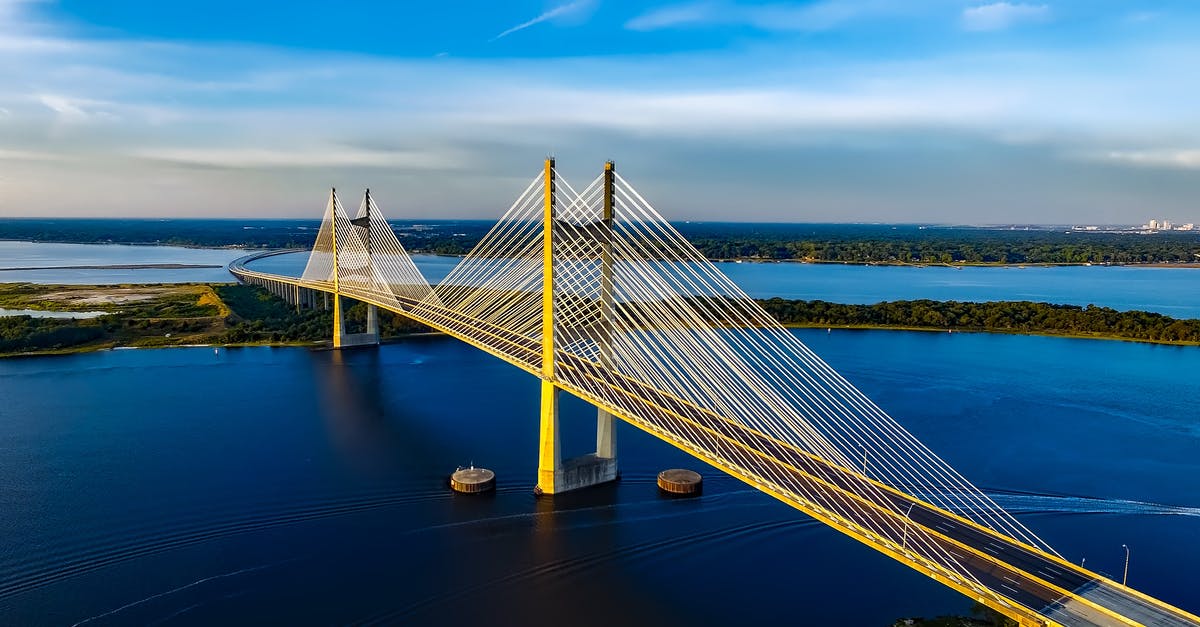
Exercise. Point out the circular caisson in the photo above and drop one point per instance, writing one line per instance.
(472, 480)
(680, 481)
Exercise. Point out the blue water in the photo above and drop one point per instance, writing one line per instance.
(286, 486)
(42, 255)
(1171, 291)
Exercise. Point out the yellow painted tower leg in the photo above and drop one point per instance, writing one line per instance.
(339, 325)
(549, 452)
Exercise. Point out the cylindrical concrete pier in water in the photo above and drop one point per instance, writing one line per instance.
(680, 481)
(472, 480)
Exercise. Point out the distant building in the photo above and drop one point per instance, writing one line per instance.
(1152, 225)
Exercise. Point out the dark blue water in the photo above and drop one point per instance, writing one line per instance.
(1171, 291)
(284, 486)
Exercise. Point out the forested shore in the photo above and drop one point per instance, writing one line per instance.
(166, 315)
(997, 316)
(832, 243)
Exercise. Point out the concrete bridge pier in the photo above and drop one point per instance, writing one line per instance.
(556, 475)
(373, 322)
(341, 339)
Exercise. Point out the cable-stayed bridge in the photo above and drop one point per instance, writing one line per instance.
(593, 292)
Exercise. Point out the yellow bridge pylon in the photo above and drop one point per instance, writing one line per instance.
(594, 293)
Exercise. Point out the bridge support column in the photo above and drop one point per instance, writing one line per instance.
(339, 323)
(373, 322)
(554, 474)
(606, 436)
(549, 454)
(341, 339)
(606, 442)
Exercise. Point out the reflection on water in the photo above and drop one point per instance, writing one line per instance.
(293, 486)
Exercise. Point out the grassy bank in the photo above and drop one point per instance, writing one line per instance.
(189, 314)
(166, 315)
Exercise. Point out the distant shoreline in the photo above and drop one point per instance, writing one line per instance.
(227, 316)
(1069, 336)
(963, 264)
(119, 266)
(417, 250)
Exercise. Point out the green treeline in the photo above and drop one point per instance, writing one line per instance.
(843, 243)
(242, 314)
(260, 316)
(25, 334)
(1002, 316)
(974, 246)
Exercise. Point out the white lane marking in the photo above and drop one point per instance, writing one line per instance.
(1004, 585)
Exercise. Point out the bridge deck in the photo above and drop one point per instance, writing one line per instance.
(1016, 578)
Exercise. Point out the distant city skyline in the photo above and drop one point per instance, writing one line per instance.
(936, 111)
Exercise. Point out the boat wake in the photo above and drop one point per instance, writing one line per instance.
(1035, 503)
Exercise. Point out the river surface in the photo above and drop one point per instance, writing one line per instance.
(288, 486)
(1171, 291)
(59, 258)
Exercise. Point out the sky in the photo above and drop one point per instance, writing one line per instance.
(945, 111)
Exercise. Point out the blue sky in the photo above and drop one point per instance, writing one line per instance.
(828, 110)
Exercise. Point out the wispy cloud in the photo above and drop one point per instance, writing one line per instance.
(301, 156)
(28, 155)
(1002, 15)
(813, 16)
(73, 109)
(242, 121)
(563, 10)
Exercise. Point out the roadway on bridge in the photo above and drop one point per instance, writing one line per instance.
(1045, 585)
(1020, 573)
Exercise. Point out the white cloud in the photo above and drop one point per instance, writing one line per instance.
(676, 16)
(813, 16)
(243, 120)
(1002, 15)
(560, 11)
(63, 106)
(27, 155)
(1186, 159)
(308, 156)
